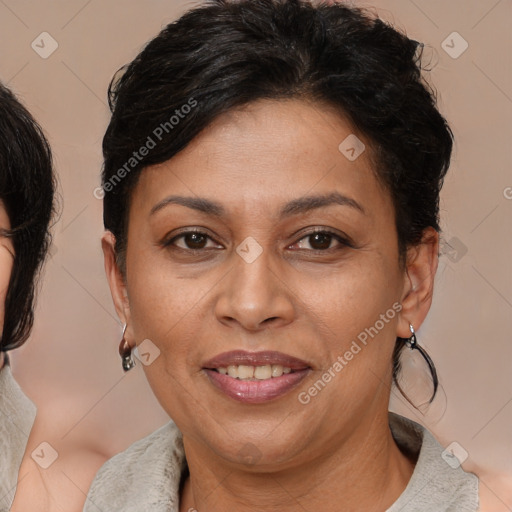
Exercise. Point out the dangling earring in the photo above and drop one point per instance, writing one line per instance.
(126, 353)
(412, 343)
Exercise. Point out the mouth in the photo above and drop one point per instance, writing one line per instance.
(245, 372)
(255, 377)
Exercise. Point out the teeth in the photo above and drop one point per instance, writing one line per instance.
(263, 372)
(244, 372)
(277, 370)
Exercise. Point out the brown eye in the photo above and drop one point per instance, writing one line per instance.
(321, 240)
(195, 240)
(190, 241)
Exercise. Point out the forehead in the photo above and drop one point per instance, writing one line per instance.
(264, 154)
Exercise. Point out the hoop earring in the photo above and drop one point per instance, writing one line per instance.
(125, 352)
(412, 343)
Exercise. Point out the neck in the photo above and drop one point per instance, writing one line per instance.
(2, 360)
(367, 471)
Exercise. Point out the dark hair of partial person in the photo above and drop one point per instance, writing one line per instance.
(227, 54)
(27, 188)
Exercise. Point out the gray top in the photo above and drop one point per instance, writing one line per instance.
(146, 476)
(17, 415)
(437, 484)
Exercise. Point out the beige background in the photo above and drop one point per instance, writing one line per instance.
(70, 366)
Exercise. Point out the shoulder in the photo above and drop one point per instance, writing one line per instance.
(49, 489)
(145, 476)
(17, 415)
(438, 482)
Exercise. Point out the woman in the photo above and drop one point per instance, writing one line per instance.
(272, 177)
(26, 206)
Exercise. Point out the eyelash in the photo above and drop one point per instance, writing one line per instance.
(345, 242)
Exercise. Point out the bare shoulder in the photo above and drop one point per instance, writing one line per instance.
(496, 495)
(63, 485)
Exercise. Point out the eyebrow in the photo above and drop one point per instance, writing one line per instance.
(296, 206)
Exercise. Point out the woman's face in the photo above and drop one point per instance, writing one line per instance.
(257, 293)
(6, 261)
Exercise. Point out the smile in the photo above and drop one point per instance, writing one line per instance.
(255, 377)
(244, 372)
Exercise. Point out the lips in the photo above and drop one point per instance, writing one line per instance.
(255, 377)
(241, 357)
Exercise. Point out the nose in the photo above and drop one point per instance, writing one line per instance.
(254, 295)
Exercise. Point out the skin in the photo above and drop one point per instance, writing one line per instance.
(6, 264)
(338, 448)
(47, 489)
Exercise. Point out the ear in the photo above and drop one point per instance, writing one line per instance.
(421, 267)
(117, 284)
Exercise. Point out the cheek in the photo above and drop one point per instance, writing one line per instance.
(166, 311)
(159, 310)
(361, 309)
(164, 308)
(6, 265)
(359, 294)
